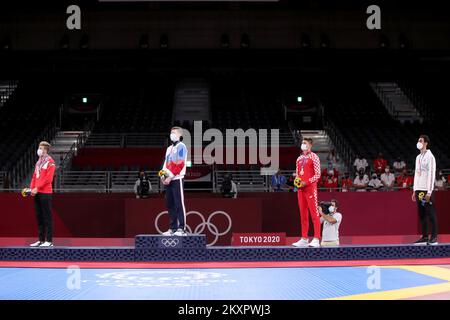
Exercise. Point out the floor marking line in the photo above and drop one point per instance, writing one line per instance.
(431, 271)
(399, 293)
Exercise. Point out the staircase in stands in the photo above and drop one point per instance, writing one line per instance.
(396, 102)
(192, 101)
(63, 146)
(322, 145)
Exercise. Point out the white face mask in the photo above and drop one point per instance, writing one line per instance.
(173, 137)
(40, 152)
(331, 209)
(419, 145)
(304, 147)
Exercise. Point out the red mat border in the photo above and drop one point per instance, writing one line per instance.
(219, 265)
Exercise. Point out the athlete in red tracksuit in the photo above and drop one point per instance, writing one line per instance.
(41, 189)
(308, 170)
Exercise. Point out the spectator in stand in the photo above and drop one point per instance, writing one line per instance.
(331, 181)
(5, 182)
(142, 187)
(346, 182)
(404, 181)
(290, 183)
(388, 179)
(330, 167)
(332, 157)
(360, 163)
(441, 182)
(229, 187)
(399, 165)
(375, 183)
(361, 181)
(278, 181)
(379, 164)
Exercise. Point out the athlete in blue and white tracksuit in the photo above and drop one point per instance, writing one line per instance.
(175, 166)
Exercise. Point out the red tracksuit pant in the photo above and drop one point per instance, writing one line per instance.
(307, 199)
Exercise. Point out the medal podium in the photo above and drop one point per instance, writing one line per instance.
(193, 248)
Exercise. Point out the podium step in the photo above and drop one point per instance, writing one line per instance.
(148, 241)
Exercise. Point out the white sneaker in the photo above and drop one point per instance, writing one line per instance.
(301, 243)
(180, 232)
(168, 233)
(315, 243)
(36, 244)
(46, 244)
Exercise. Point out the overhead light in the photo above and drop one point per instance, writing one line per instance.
(245, 41)
(164, 41)
(84, 42)
(299, 99)
(65, 42)
(305, 41)
(324, 41)
(384, 42)
(6, 43)
(224, 41)
(143, 41)
(403, 42)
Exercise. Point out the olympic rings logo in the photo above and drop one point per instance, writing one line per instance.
(201, 227)
(170, 242)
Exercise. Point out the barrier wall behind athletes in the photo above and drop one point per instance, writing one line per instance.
(120, 215)
(151, 157)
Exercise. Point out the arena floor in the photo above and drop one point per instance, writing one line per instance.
(224, 281)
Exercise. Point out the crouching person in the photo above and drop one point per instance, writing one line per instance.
(331, 220)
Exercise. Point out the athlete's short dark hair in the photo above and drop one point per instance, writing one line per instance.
(425, 139)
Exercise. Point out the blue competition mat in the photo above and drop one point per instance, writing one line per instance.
(208, 284)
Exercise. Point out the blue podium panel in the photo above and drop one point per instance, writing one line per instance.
(148, 241)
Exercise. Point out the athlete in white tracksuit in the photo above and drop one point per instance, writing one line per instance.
(424, 178)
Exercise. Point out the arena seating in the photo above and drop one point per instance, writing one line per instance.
(136, 116)
(137, 108)
(249, 103)
(368, 128)
(428, 94)
(23, 119)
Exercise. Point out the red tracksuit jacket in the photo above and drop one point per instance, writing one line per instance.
(311, 168)
(43, 175)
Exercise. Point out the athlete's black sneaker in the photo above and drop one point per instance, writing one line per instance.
(433, 241)
(421, 242)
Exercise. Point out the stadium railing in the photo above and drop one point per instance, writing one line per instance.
(23, 166)
(3, 179)
(77, 145)
(124, 181)
(102, 181)
(341, 145)
(246, 180)
(123, 140)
